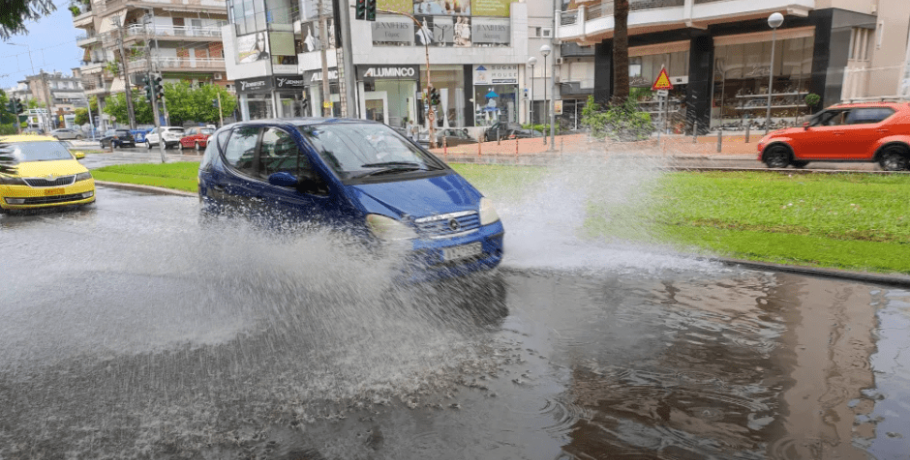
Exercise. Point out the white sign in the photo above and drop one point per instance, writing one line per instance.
(663, 93)
(495, 74)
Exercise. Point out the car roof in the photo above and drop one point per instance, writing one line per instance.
(26, 138)
(851, 105)
(306, 121)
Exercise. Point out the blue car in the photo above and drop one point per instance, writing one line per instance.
(354, 174)
(139, 135)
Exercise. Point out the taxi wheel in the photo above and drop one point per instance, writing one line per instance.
(777, 157)
(894, 158)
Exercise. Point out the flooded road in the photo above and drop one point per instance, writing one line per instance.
(126, 332)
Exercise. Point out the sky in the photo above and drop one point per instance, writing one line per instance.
(52, 40)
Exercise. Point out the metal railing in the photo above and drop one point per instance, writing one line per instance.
(183, 63)
(175, 31)
(568, 18)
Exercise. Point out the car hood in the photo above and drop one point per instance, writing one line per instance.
(46, 168)
(418, 197)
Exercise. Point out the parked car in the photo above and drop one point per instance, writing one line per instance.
(67, 133)
(139, 135)
(452, 137)
(501, 129)
(197, 138)
(46, 174)
(171, 134)
(357, 175)
(868, 132)
(38, 131)
(118, 137)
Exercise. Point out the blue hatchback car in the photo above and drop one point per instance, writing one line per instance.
(354, 174)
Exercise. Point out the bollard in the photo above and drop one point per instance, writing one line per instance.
(695, 132)
(720, 139)
(478, 148)
(112, 146)
(562, 143)
(445, 148)
(516, 150)
(498, 139)
(747, 132)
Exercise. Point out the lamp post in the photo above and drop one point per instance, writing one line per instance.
(545, 51)
(775, 21)
(531, 61)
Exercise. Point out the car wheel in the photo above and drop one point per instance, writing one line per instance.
(198, 147)
(777, 156)
(148, 145)
(894, 158)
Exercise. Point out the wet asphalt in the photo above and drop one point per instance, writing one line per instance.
(127, 330)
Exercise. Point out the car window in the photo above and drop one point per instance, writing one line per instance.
(122, 132)
(212, 148)
(206, 131)
(869, 115)
(831, 118)
(39, 151)
(241, 149)
(278, 152)
(109, 132)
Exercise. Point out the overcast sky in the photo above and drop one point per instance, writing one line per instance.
(53, 44)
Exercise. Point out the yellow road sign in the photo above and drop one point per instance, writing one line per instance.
(662, 82)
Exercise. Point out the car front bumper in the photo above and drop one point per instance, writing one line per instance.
(426, 261)
(25, 197)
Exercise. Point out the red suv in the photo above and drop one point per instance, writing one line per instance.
(877, 132)
(196, 137)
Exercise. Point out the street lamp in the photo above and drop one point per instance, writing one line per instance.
(545, 51)
(531, 61)
(775, 21)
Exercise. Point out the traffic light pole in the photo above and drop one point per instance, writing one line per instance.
(154, 102)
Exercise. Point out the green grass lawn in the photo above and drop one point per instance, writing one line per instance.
(850, 221)
(178, 176)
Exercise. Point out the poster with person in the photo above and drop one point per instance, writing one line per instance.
(434, 31)
(462, 32)
(442, 7)
(252, 48)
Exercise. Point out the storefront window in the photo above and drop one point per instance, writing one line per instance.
(396, 97)
(260, 106)
(741, 77)
(449, 80)
(314, 93)
(493, 103)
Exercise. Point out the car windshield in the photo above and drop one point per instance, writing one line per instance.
(122, 132)
(174, 130)
(358, 150)
(109, 132)
(207, 131)
(39, 151)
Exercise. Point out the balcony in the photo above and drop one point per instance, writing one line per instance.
(84, 19)
(87, 39)
(176, 32)
(576, 88)
(91, 67)
(177, 64)
(590, 24)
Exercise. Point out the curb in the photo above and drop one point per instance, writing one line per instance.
(146, 188)
(898, 281)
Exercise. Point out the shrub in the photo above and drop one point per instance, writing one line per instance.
(624, 123)
(542, 128)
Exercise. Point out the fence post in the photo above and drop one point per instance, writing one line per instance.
(478, 148)
(720, 139)
(748, 127)
(695, 131)
(498, 139)
(562, 142)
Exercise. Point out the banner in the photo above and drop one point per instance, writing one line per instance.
(393, 30)
(435, 31)
(443, 7)
(491, 31)
(252, 48)
(398, 6)
(498, 8)
(495, 74)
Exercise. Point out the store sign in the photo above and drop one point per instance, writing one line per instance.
(393, 30)
(254, 85)
(388, 72)
(490, 31)
(495, 75)
(313, 77)
(490, 8)
(295, 81)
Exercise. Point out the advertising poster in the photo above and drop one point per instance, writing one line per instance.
(398, 6)
(499, 8)
(491, 31)
(393, 31)
(442, 7)
(252, 48)
(462, 32)
(435, 31)
(311, 35)
(281, 44)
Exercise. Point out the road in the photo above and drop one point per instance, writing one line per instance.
(127, 331)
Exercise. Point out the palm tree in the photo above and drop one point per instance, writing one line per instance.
(620, 51)
(14, 14)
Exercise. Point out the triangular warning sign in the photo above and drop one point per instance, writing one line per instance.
(662, 82)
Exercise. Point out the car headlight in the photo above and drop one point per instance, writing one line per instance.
(83, 176)
(11, 180)
(389, 229)
(488, 213)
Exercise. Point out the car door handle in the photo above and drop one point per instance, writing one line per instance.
(882, 131)
(839, 133)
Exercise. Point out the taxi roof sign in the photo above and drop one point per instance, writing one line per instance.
(662, 82)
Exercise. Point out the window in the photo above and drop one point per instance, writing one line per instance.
(831, 118)
(278, 152)
(241, 149)
(868, 115)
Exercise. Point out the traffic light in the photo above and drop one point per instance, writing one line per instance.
(14, 106)
(214, 103)
(361, 12)
(434, 96)
(371, 10)
(159, 88)
(147, 84)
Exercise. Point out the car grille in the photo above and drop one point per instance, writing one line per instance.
(54, 199)
(58, 182)
(441, 225)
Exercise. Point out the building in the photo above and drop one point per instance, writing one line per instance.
(478, 53)
(60, 92)
(718, 54)
(179, 40)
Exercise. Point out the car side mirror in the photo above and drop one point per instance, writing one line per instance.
(806, 125)
(283, 179)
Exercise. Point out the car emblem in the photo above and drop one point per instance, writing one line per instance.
(50, 177)
(454, 225)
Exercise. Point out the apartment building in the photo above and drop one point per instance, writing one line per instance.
(61, 92)
(478, 53)
(179, 40)
(718, 53)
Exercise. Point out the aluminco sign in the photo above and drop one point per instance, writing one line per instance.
(390, 72)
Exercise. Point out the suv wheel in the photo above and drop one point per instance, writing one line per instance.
(776, 156)
(894, 158)
(148, 145)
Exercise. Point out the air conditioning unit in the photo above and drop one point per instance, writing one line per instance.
(218, 76)
(559, 61)
(546, 33)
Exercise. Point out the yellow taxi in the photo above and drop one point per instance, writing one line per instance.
(39, 172)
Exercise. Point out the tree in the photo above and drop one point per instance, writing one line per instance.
(15, 13)
(116, 107)
(620, 52)
(186, 103)
(81, 117)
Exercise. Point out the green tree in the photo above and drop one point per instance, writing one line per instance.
(15, 13)
(116, 107)
(619, 122)
(186, 103)
(81, 117)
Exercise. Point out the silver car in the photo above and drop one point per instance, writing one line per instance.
(67, 133)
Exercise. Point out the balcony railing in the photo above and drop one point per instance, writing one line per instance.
(181, 63)
(176, 31)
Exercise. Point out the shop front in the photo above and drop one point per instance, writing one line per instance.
(312, 79)
(279, 96)
(645, 64)
(389, 93)
(495, 94)
(450, 81)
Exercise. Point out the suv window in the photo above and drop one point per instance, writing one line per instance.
(869, 115)
(278, 152)
(831, 118)
(241, 149)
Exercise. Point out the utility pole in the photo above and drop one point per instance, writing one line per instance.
(220, 111)
(344, 16)
(154, 101)
(324, 39)
(47, 101)
(126, 73)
